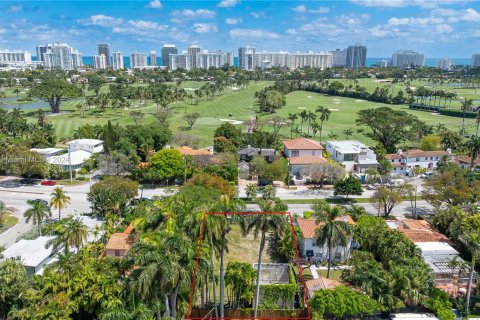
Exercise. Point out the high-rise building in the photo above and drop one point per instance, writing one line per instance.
(476, 60)
(100, 61)
(167, 50)
(202, 60)
(339, 57)
(284, 59)
(383, 63)
(104, 48)
(117, 60)
(61, 55)
(246, 58)
(445, 64)
(16, 57)
(41, 50)
(192, 52)
(138, 60)
(153, 58)
(407, 59)
(356, 56)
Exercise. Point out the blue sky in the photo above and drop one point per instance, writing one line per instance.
(439, 28)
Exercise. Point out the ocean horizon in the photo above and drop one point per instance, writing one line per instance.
(429, 62)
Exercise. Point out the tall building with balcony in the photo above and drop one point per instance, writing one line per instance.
(476, 60)
(284, 59)
(62, 56)
(100, 61)
(138, 60)
(339, 57)
(192, 59)
(246, 58)
(153, 58)
(192, 52)
(104, 48)
(117, 60)
(167, 50)
(407, 59)
(356, 56)
(41, 50)
(15, 57)
(445, 64)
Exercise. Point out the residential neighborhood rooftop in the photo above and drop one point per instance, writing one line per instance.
(75, 158)
(31, 252)
(308, 226)
(320, 284)
(347, 146)
(302, 144)
(308, 160)
(187, 151)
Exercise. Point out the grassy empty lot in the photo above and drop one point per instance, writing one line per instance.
(8, 222)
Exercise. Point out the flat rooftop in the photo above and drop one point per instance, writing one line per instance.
(347, 146)
(31, 252)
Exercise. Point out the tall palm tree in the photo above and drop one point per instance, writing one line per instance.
(303, 115)
(324, 116)
(333, 230)
(59, 200)
(473, 146)
(69, 233)
(292, 117)
(310, 117)
(261, 224)
(37, 213)
(348, 132)
(472, 242)
(466, 105)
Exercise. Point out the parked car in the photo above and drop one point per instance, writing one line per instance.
(264, 182)
(48, 183)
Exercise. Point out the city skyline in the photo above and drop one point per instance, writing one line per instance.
(438, 29)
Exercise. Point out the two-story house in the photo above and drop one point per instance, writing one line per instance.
(308, 245)
(355, 156)
(405, 162)
(304, 156)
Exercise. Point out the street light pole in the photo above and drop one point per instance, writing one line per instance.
(70, 164)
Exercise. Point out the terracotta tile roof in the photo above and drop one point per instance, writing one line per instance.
(118, 241)
(320, 284)
(308, 160)
(302, 144)
(194, 152)
(420, 153)
(396, 164)
(308, 226)
(391, 156)
(420, 231)
(466, 160)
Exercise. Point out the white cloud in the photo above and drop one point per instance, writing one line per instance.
(101, 20)
(228, 3)
(300, 8)
(444, 28)
(469, 15)
(205, 27)
(258, 15)
(140, 27)
(194, 14)
(154, 4)
(3, 30)
(15, 8)
(394, 21)
(291, 31)
(320, 10)
(253, 34)
(233, 20)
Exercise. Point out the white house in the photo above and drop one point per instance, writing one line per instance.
(47, 152)
(32, 254)
(304, 156)
(353, 155)
(308, 247)
(89, 145)
(72, 160)
(404, 163)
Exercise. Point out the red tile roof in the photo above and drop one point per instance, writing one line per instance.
(320, 284)
(194, 152)
(302, 144)
(391, 156)
(308, 226)
(466, 160)
(308, 160)
(118, 241)
(420, 231)
(420, 153)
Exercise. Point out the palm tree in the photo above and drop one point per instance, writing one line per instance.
(292, 117)
(348, 132)
(261, 224)
(303, 115)
(16, 91)
(311, 116)
(473, 146)
(69, 233)
(37, 213)
(333, 230)
(324, 116)
(472, 242)
(332, 135)
(59, 200)
(466, 105)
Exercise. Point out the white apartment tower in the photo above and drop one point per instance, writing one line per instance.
(153, 58)
(476, 60)
(16, 57)
(138, 60)
(284, 59)
(61, 55)
(407, 59)
(100, 61)
(202, 60)
(246, 58)
(445, 64)
(117, 60)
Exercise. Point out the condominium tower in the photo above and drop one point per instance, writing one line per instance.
(41, 50)
(153, 58)
(246, 58)
(444, 64)
(356, 56)
(195, 58)
(104, 48)
(100, 61)
(117, 60)
(339, 57)
(16, 57)
(61, 55)
(476, 60)
(138, 60)
(284, 59)
(407, 59)
(167, 50)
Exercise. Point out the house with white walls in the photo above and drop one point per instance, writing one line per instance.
(355, 156)
(304, 156)
(405, 162)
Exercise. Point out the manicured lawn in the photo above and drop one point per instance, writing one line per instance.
(334, 274)
(8, 222)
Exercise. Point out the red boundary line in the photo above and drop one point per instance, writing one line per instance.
(192, 289)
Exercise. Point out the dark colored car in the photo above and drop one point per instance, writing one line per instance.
(264, 182)
(27, 181)
(48, 183)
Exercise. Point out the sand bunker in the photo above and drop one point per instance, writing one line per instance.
(301, 108)
(359, 100)
(336, 99)
(334, 109)
(435, 114)
(232, 121)
(309, 97)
